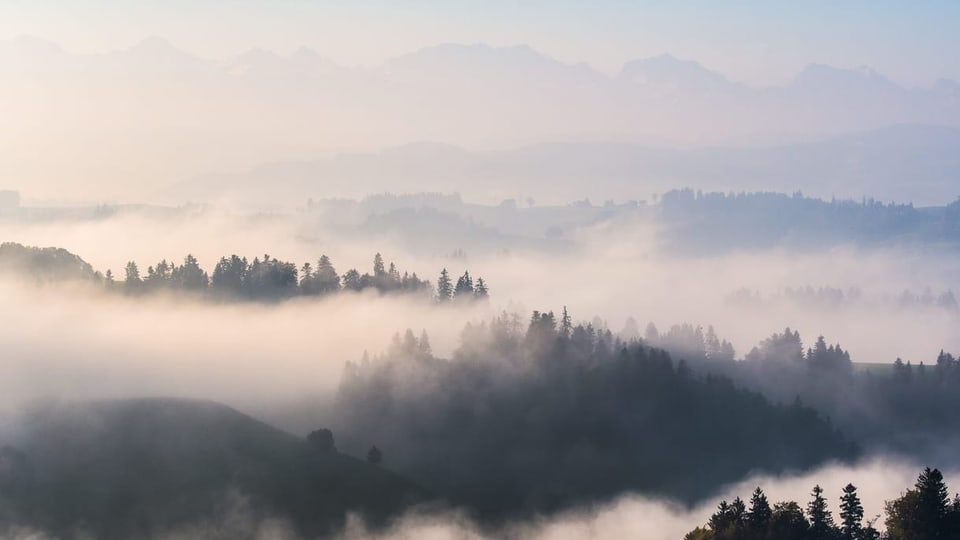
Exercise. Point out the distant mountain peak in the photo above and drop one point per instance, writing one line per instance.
(816, 75)
(667, 69)
(158, 49)
(155, 44)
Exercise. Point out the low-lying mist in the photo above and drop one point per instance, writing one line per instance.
(613, 270)
(633, 516)
(111, 345)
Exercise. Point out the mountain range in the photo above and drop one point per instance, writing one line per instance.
(904, 163)
(157, 114)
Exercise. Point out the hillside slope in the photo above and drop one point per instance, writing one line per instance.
(131, 468)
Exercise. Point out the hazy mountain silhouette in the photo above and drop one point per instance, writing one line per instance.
(906, 163)
(159, 114)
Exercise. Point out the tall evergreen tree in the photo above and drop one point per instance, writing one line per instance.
(566, 324)
(464, 287)
(481, 291)
(444, 286)
(933, 502)
(821, 519)
(851, 514)
(759, 515)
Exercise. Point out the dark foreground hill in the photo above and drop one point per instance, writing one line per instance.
(137, 468)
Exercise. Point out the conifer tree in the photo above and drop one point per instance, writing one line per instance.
(444, 287)
(851, 514)
(481, 291)
(821, 519)
(566, 325)
(759, 515)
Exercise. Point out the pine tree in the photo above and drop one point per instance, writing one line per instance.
(464, 288)
(481, 291)
(821, 519)
(565, 323)
(933, 502)
(851, 514)
(759, 515)
(444, 287)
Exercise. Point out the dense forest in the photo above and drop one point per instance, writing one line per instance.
(537, 417)
(266, 279)
(900, 406)
(676, 413)
(924, 512)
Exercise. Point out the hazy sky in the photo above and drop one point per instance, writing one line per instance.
(754, 41)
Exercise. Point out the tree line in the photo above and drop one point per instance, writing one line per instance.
(717, 222)
(269, 278)
(235, 277)
(924, 512)
(904, 406)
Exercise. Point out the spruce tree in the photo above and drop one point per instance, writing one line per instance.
(759, 515)
(480, 291)
(444, 287)
(933, 502)
(821, 519)
(565, 323)
(851, 514)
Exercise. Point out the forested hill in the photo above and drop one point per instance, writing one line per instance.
(715, 222)
(236, 278)
(148, 467)
(44, 264)
(901, 405)
(542, 416)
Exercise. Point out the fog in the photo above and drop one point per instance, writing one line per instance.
(650, 235)
(878, 480)
(634, 516)
(613, 271)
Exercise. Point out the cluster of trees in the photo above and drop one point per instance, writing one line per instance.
(922, 513)
(272, 279)
(322, 441)
(892, 406)
(44, 264)
(464, 288)
(717, 222)
(548, 414)
(686, 340)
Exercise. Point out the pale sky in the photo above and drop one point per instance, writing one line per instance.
(759, 42)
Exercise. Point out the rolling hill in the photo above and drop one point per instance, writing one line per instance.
(141, 467)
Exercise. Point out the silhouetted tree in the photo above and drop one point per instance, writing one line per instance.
(821, 519)
(760, 513)
(851, 514)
